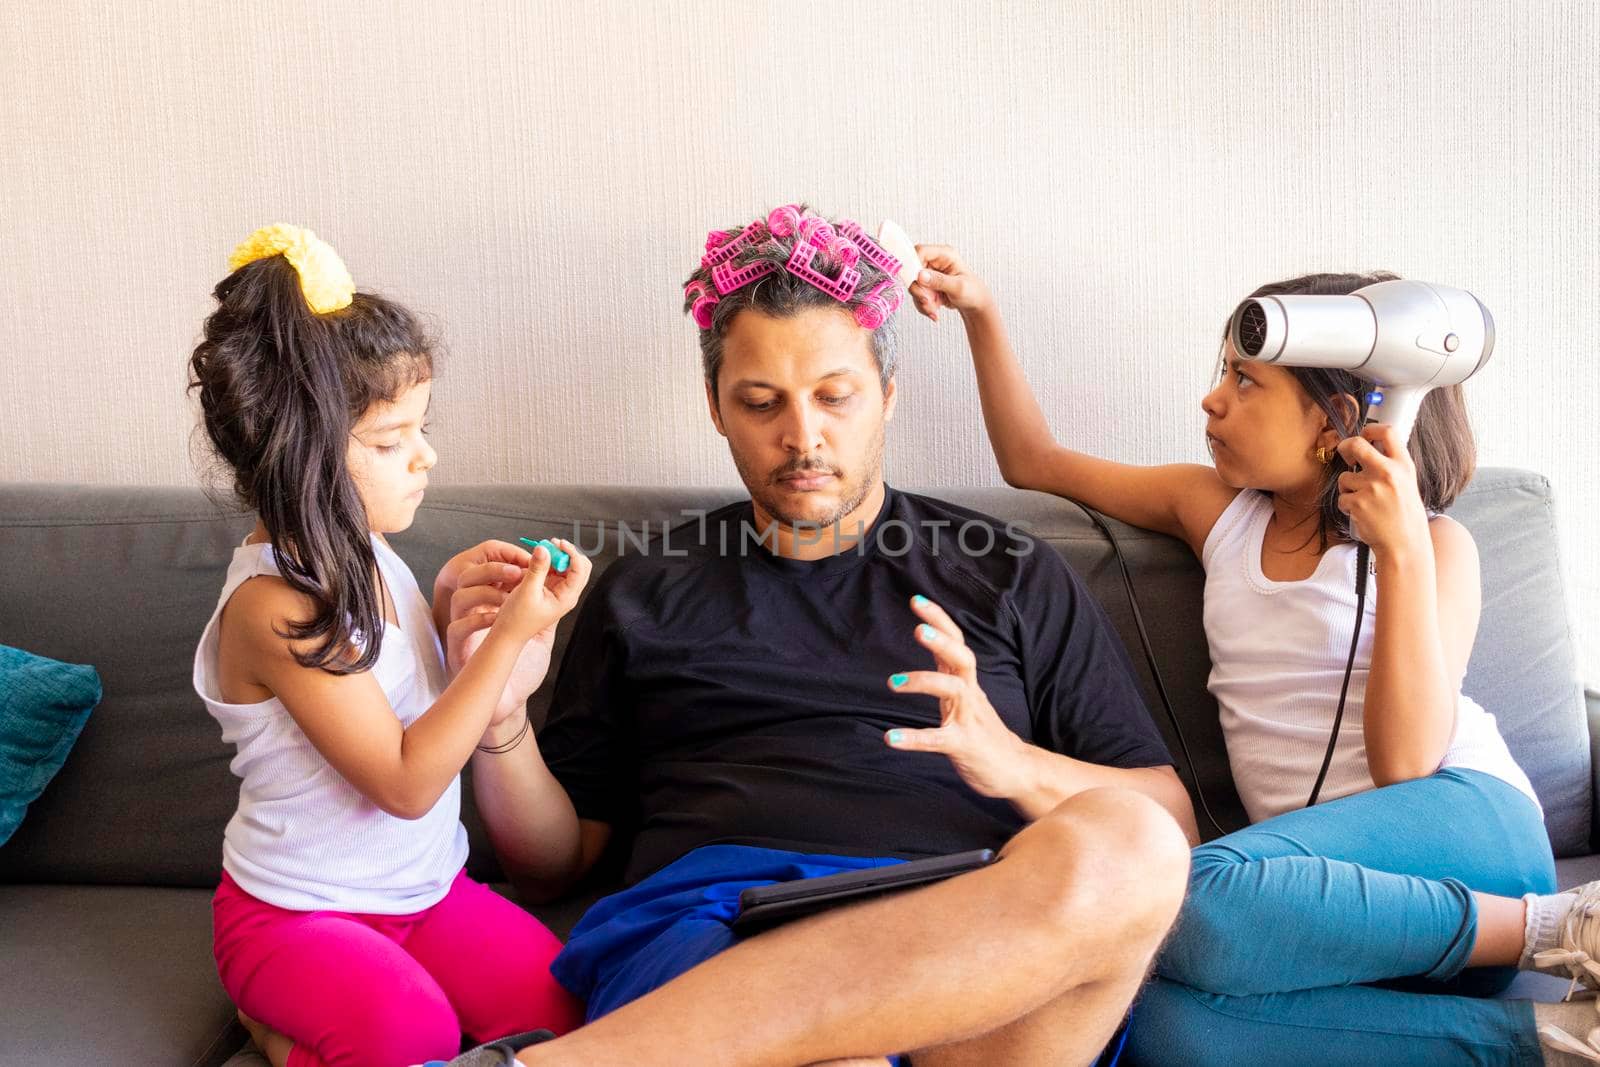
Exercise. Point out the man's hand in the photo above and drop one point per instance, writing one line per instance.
(474, 605)
(986, 753)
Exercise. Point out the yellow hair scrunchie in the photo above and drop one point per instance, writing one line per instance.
(324, 279)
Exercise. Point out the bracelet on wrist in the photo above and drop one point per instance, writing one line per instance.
(527, 726)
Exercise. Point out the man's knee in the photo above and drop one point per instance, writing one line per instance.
(1114, 857)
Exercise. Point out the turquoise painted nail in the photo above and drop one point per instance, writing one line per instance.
(920, 601)
(894, 737)
(897, 680)
(928, 633)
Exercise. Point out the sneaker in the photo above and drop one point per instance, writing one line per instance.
(1579, 954)
(501, 1053)
(1553, 1037)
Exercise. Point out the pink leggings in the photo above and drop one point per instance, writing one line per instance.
(390, 990)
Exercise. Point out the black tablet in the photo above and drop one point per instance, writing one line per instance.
(767, 905)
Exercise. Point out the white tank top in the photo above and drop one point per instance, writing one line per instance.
(1278, 651)
(303, 838)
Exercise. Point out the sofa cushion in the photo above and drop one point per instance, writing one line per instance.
(1524, 666)
(43, 706)
(111, 975)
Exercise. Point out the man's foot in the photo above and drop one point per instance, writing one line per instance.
(273, 1045)
(499, 1053)
(1563, 936)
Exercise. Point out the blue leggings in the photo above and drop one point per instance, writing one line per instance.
(1340, 934)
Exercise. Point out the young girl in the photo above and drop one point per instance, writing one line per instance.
(1426, 853)
(346, 930)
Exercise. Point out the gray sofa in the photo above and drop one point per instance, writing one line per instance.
(105, 889)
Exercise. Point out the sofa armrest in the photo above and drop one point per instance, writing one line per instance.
(1591, 700)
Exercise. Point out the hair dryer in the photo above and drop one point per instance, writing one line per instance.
(1404, 337)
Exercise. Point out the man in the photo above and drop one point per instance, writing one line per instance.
(836, 675)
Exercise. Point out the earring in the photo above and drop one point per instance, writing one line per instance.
(1322, 455)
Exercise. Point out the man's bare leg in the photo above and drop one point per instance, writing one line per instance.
(1072, 1029)
(1067, 921)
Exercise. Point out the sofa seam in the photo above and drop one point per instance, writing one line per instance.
(222, 1034)
(132, 520)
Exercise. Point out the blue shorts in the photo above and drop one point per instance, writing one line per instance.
(643, 937)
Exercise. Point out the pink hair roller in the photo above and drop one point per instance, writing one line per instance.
(705, 302)
(727, 279)
(815, 230)
(783, 221)
(843, 249)
(871, 250)
(724, 251)
(840, 288)
(879, 304)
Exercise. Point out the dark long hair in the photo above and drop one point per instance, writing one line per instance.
(1442, 447)
(281, 387)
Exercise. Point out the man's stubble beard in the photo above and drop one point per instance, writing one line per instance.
(760, 487)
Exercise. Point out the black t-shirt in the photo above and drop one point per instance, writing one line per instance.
(722, 694)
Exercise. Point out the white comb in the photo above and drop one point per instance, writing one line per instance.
(898, 244)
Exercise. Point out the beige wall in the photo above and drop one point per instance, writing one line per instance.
(539, 176)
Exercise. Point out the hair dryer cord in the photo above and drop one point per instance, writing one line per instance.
(1363, 554)
(1150, 658)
